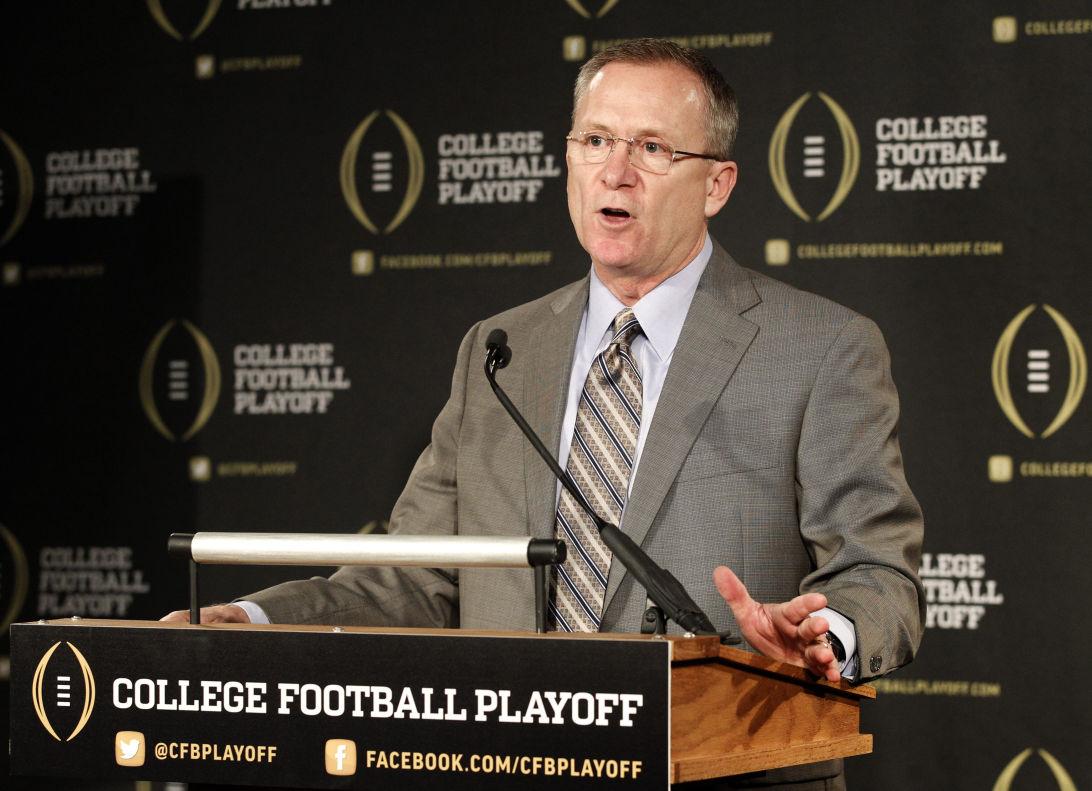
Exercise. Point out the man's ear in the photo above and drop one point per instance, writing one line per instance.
(719, 184)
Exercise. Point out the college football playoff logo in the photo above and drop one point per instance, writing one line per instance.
(1034, 361)
(54, 691)
(807, 145)
(388, 174)
(14, 578)
(155, 8)
(1008, 774)
(179, 381)
(578, 7)
(23, 186)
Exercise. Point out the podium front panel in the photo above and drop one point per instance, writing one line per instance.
(319, 708)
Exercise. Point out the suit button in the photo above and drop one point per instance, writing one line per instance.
(875, 663)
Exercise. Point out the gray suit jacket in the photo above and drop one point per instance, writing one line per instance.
(773, 450)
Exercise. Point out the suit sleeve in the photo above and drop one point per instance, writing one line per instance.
(375, 596)
(858, 517)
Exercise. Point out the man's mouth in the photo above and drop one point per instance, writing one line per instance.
(616, 213)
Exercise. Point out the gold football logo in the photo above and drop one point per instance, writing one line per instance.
(15, 567)
(578, 7)
(63, 691)
(24, 180)
(1008, 774)
(851, 157)
(1078, 371)
(178, 380)
(415, 178)
(155, 8)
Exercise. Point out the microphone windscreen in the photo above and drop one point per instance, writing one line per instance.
(497, 339)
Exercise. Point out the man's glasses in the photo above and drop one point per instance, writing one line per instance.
(647, 153)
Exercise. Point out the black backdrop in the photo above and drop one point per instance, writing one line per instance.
(241, 239)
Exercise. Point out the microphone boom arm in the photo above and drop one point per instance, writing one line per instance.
(662, 587)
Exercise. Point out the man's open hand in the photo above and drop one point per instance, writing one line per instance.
(787, 631)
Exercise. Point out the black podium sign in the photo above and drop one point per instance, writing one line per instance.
(337, 709)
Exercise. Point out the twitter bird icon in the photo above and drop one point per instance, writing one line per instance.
(129, 748)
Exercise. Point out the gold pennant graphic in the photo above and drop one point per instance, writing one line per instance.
(38, 684)
(416, 171)
(25, 180)
(155, 8)
(1078, 372)
(210, 395)
(851, 157)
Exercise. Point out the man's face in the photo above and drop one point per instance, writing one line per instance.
(638, 225)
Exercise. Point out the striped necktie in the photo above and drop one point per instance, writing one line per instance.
(608, 419)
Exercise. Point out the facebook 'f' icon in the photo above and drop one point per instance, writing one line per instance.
(340, 757)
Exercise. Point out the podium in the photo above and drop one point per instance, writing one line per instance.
(734, 712)
(345, 707)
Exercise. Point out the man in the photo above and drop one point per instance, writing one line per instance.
(743, 430)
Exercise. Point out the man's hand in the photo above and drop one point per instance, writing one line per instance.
(220, 613)
(787, 631)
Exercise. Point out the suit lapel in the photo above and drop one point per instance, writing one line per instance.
(546, 379)
(714, 339)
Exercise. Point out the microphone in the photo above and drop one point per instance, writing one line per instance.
(663, 589)
(498, 355)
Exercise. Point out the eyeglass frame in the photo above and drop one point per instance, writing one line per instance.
(632, 142)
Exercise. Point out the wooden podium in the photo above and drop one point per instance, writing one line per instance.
(715, 711)
(734, 712)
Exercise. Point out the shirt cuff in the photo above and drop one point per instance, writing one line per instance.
(842, 628)
(255, 613)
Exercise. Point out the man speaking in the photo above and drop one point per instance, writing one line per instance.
(744, 433)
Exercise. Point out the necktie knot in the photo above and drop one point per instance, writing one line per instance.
(624, 328)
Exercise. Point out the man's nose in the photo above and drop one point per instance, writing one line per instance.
(618, 171)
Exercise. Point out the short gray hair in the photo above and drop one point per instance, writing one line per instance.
(722, 113)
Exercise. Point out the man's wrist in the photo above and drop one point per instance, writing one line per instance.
(255, 613)
(842, 630)
(838, 649)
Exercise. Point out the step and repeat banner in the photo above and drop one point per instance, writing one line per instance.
(240, 241)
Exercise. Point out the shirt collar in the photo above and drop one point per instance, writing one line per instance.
(661, 312)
